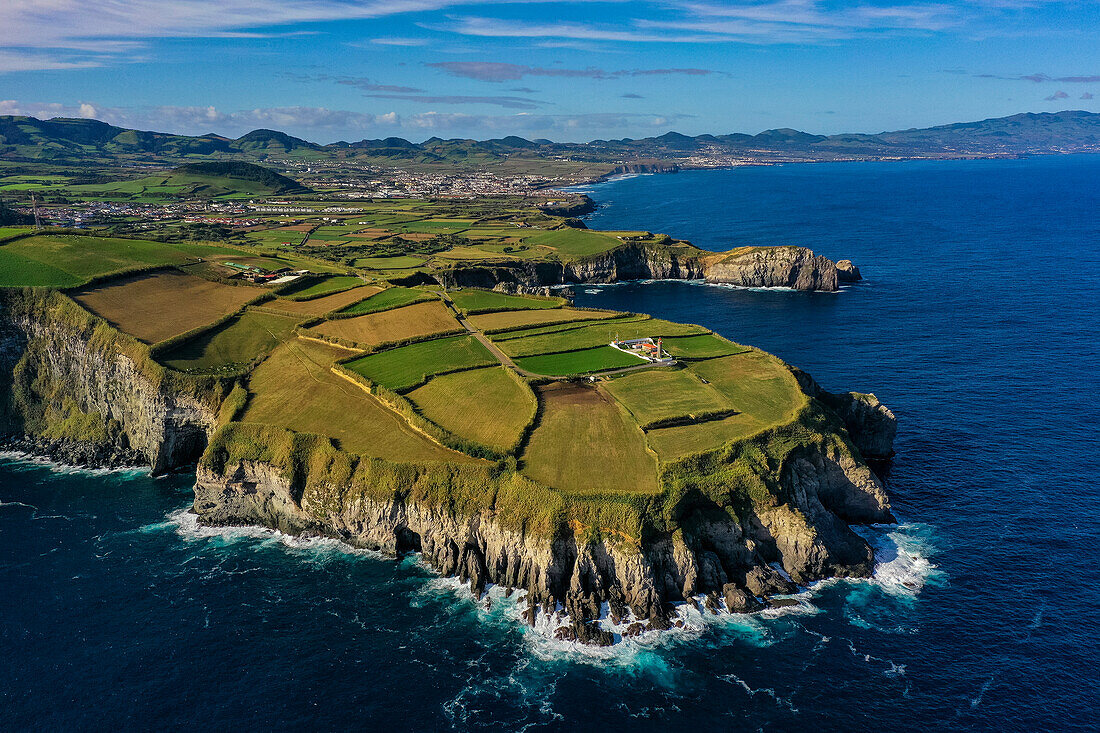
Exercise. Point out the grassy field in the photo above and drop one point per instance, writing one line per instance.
(6, 232)
(324, 304)
(585, 444)
(755, 383)
(483, 405)
(314, 287)
(700, 347)
(411, 321)
(158, 306)
(472, 301)
(573, 243)
(578, 362)
(400, 262)
(594, 335)
(389, 298)
(660, 394)
(520, 319)
(295, 388)
(64, 261)
(237, 343)
(409, 366)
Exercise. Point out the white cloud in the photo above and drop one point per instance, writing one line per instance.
(110, 28)
(322, 124)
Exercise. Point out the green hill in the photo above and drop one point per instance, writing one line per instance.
(207, 180)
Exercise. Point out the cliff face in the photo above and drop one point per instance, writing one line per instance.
(79, 398)
(756, 267)
(798, 522)
(871, 424)
(772, 267)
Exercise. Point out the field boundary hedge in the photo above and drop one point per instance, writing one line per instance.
(679, 420)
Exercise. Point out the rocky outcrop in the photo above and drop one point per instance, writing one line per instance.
(846, 272)
(755, 267)
(575, 204)
(871, 424)
(773, 267)
(640, 168)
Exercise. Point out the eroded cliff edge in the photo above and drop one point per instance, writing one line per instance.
(78, 391)
(732, 528)
(786, 266)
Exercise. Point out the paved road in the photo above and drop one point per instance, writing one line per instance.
(507, 361)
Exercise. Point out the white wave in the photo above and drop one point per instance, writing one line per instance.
(30, 459)
(902, 551)
(17, 504)
(186, 524)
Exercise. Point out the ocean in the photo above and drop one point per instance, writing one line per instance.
(977, 324)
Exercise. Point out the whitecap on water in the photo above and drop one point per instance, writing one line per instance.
(902, 553)
(186, 524)
(16, 459)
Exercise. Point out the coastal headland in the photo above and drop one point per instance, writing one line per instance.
(508, 438)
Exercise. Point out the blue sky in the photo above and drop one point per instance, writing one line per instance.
(348, 69)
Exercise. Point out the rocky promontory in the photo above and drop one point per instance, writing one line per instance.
(733, 528)
(792, 267)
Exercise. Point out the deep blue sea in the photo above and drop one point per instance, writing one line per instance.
(978, 324)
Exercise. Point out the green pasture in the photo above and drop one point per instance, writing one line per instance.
(236, 343)
(408, 366)
(578, 362)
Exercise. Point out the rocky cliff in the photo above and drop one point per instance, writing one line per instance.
(80, 392)
(730, 545)
(772, 267)
(757, 267)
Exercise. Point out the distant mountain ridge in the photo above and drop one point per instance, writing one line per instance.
(1027, 133)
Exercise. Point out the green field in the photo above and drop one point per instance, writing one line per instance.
(324, 304)
(295, 388)
(509, 320)
(6, 232)
(483, 405)
(67, 260)
(402, 262)
(661, 394)
(474, 301)
(399, 324)
(584, 444)
(156, 306)
(594, 335)
(578, 362)
(234, 344)
(573, 243)
(309, 288)
(409, 366)
(388, 299)
(756, 384)
(700, 347)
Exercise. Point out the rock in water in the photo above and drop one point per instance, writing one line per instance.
(846, 272)
(738, 601)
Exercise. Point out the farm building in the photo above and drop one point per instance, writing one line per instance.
(644, 348)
